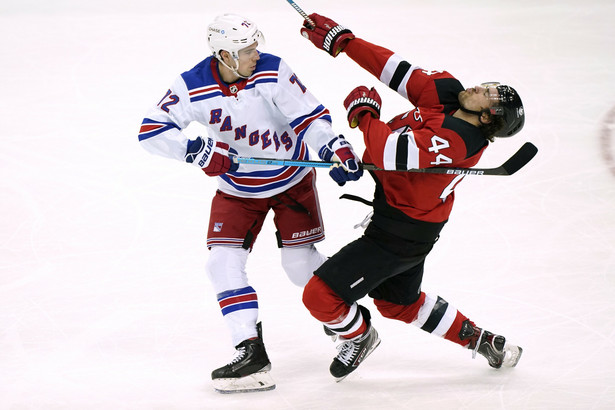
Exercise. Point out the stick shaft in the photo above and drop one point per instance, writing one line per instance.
(512, 165)
(300, 11)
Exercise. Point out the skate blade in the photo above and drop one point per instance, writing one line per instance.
(513, 354)
(260, 381)
(339, 379)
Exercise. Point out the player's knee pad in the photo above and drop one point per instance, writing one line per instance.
(405, 313)
(311, 293)
(322, 302)
(226, 268)
(301, 262)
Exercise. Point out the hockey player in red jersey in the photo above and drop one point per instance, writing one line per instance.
(449, 126)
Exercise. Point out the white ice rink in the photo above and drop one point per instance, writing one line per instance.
(104, 301)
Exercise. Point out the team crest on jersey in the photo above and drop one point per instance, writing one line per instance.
(218, 226)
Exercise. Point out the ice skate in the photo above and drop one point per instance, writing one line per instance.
(247, 372)
(352, 353)
(330, 333)
(493, 347)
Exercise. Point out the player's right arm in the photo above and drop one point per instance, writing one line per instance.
(161, 129)
(161, 134)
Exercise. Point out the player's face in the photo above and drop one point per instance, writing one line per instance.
(247, 60)
(480, 97)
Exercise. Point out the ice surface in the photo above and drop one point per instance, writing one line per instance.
(104, 303)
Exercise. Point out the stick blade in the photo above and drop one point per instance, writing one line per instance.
(520, 159)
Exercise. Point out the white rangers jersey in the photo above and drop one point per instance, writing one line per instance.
(271, 114)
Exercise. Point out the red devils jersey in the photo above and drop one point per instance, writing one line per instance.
(426, 136)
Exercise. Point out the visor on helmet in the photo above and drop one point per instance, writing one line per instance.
(509, 106)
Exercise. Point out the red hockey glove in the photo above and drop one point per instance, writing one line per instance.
(327, 35)
(211, 156)
(362, 101)
(351, 169)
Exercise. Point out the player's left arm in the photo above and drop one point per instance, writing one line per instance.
(312, 121)
(401, 149)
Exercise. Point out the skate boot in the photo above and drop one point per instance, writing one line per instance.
(248, 371)
(493, 347)
(353, 351)
(330, 333)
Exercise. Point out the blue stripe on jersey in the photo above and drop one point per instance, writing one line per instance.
(151, 128)
(261, 81)
(202, 97)
(262, 187)
(272, 173)
(303, 118)
(278, 171)
(326, 117)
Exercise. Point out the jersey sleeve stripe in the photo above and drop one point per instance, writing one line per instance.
(303, 122)
(401, 154)
(396, 74)
(401, 151)
(399, 74)
(150, 128)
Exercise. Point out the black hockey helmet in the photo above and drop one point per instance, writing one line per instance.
(510, 108)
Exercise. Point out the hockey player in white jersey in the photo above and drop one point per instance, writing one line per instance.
(253, 105)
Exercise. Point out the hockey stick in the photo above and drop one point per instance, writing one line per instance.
(303, 13)
(512, 165)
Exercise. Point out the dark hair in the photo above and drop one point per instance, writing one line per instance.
(489, 130)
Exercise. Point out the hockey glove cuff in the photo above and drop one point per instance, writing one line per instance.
(361, 101)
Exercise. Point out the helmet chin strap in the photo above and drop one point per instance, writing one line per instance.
(234, 70)
(479, 114)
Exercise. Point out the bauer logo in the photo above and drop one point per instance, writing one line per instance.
(203, 161)
(303, 234)
(464, 172)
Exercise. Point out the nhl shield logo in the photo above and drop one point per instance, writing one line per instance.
(218, 226)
